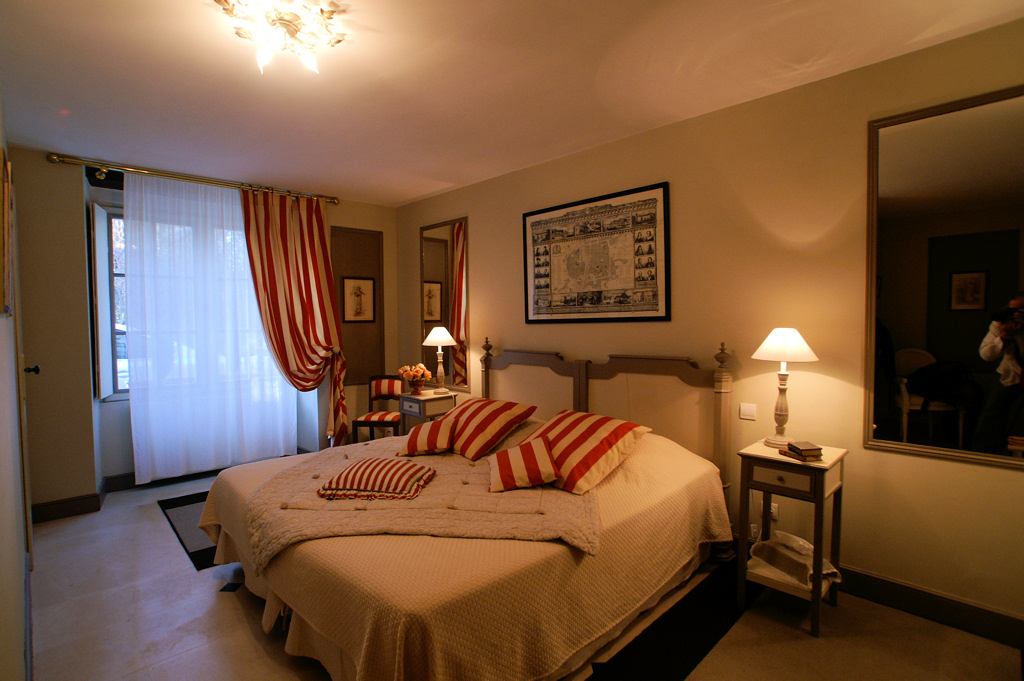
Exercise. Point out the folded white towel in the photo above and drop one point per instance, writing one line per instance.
(792, 556)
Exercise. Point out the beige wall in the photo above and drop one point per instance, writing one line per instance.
(768, 228)
(377, 218)
(12, 509)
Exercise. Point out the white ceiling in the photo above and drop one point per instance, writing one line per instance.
(424, 97)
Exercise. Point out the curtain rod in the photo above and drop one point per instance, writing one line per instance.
(104, 165)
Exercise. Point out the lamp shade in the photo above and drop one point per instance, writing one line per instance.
(785, 345)
(439, 336)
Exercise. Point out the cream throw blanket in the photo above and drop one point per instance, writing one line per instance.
(286, 509)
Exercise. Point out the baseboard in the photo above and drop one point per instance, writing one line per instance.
(989, 624)
(65, 508)
(119, 483)
(28, 616)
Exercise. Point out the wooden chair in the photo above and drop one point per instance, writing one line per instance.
(382, 389)
(909, 360)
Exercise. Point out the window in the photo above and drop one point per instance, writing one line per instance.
(110, 356)
(115, 225)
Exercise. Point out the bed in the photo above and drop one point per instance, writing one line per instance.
(424, 607)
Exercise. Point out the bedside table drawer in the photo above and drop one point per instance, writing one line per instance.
(411, 408)
(798, 482)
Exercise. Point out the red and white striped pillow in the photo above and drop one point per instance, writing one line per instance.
(524, 465)
(429, 438)
(378, 478)
(480, 423)
(587, 447)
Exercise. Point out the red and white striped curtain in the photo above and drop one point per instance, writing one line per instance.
(291, 271)
(458, 316)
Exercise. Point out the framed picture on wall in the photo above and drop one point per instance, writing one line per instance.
(604, 259)
(358, 299)
(432, 301)
(967, 291)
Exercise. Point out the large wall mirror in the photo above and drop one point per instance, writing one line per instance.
(444, 298)
(945, 244)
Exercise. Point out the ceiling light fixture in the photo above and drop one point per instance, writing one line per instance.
(296, 26)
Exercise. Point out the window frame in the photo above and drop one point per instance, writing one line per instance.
(112, 276)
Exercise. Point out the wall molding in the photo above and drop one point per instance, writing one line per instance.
(65, 508)
(968, 617)
(119, 483)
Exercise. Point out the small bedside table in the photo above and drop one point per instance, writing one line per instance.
(765, 469)
(425, 407)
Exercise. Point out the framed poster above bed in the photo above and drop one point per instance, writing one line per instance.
(604, 259)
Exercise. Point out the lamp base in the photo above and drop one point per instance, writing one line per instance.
(777, 441)
(441, 391)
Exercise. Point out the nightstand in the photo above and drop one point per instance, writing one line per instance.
(425, 407)
(765, 469)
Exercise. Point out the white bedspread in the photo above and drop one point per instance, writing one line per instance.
(431, 608)
(455, 503)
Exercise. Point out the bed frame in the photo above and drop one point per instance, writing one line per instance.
(582, 371)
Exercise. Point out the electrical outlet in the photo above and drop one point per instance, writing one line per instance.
(748, 411)
(775, 511)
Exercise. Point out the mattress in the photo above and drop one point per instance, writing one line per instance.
(420, 607)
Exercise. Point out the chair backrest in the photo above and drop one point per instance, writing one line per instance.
(385, 387)
(909, 360)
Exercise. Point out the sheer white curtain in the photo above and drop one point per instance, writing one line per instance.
(205, 392)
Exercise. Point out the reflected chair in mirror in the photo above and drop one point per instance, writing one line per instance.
(909, 360)
(382, 390)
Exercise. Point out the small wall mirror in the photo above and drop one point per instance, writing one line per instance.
(946, 212)
(444, 298)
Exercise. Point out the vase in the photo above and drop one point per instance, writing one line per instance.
(417, 387)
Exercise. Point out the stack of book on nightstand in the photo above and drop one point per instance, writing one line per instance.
(802, 451)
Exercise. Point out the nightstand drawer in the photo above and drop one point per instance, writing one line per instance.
(411, 408)
(425, 406)
(798, 482)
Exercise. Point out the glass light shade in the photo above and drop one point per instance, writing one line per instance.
(785, 345)
(439, 336)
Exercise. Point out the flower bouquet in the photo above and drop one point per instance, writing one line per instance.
(415, 375)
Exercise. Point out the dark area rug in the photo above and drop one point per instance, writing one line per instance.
(183, 515)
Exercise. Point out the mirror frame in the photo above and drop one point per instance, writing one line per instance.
(432, 383)
(874, 128)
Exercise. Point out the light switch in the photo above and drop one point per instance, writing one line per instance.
(748, 411)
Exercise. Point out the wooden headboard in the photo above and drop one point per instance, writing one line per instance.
(583, 372)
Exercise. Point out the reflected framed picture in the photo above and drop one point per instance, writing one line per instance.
(431, 301)
(967, 291)
(358, 299)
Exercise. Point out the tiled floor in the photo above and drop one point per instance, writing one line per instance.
(115, 597)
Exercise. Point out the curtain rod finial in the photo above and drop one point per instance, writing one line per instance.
(53, 158)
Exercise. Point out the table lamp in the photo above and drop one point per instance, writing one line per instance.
(440, 337)
(783, 345)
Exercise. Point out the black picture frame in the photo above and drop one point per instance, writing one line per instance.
(357, 299)
(967, 290)
(603, 259)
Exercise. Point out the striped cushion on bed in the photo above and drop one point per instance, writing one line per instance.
(429, 438)
(378, 478)
(524, 465)
(480, 423)
(587, 447)
(385, 387)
